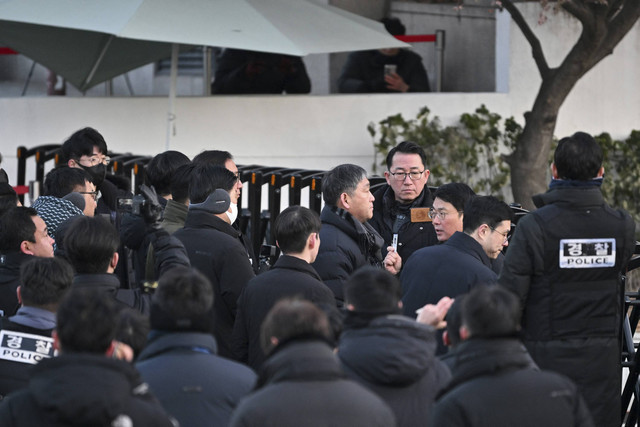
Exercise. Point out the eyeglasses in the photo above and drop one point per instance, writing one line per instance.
(94, 194)
(401, 176)
(504, 234)
(95, 160)
(433, 214)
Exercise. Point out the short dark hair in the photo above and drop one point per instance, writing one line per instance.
(578, 157)
(206, 178)
(485, 210)
(213, 157)
(373, 290)
(161, 169)
(394, 26)
(293, 227)
(291, 319)
(16, 226)
(86, 321)
(341, 179)
(132, 328)
(81, 143)
(456, 193)
(407, 147)
(491, 311)
(180, 183)
(63, 180)
(454, 320)
(44, 281)
(90, 243)
(8, 198)
(182, 302)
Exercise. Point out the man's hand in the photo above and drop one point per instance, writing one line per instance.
(392, 262)
(395, 82)
(434, 315)
(151, 210)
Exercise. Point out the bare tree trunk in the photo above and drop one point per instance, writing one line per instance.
(604, 24)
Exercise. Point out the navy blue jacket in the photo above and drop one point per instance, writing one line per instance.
(450, 269)
(192, 383)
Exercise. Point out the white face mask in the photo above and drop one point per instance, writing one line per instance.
(234, 212)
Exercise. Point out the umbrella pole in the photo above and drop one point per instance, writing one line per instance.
(171, 117)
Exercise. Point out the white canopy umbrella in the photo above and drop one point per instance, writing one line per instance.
(91, 41)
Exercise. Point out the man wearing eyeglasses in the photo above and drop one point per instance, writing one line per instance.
(86, 149)
(461, 263)
(401, 208)
(565, 265)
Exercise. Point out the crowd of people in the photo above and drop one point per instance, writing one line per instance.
(392, 308)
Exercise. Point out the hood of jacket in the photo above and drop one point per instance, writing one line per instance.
(84, 389)
(391, 350)
(163, 343)
(478, 356)
(300, 360)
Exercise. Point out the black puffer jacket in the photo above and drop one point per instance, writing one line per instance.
(302, 385)
(215, 248)
(394, 356)
(10, 280)
(346, 245)
(83, 390)
(411, 235)
(496, 383)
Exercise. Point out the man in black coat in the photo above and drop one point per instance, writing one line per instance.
(565, 265)
(84, 385)
(370, 71)
(301, 382)
(91, 246)
(215, 248)
(180, 363)
(23, 235)
(25, 338)
(390, 354)
(495, 382)
(296, 231)
(348, 240)
(401, 208)
(461, 263)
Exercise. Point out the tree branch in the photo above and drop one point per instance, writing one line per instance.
(580, 11)
(618, 27)
(536, 47)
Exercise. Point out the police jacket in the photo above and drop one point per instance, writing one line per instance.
(565, 261)
(21, 353)
(346, 245)
(216, 250)
(495, 383)
(394, 357)
(413, 232)
(191, 382)
(301, 384)
(83, 390)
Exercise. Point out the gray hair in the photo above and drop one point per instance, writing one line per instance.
(341, 179)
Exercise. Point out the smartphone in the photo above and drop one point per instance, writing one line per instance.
(390, 69)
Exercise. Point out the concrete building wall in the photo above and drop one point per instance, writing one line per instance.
(322, 131)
